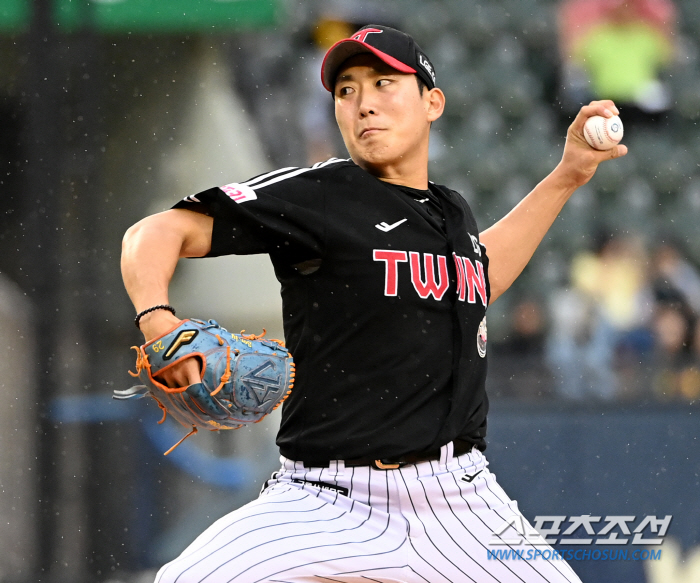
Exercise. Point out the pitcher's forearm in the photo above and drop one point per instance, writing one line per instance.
(511, 242)
(149, 257)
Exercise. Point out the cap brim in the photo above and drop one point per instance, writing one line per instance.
(346, 48)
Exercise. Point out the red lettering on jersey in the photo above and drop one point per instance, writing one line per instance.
(461, 277)
(475, 280)
(391, 271)
(429, 287)
(362, 35)
(239, 192)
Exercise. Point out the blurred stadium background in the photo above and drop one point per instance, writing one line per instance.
(114, 109)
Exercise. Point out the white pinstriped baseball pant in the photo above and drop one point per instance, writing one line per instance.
(423, 523)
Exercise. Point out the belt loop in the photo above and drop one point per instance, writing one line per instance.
(446, 456)
(336, 468)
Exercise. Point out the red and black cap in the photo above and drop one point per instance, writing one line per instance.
(395, 48)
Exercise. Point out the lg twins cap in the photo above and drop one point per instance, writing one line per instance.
(397, 49)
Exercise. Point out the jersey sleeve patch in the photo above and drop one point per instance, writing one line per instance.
(239, 192)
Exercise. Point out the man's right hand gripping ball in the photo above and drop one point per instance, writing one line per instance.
(243, 377)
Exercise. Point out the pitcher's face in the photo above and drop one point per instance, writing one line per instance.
(381, 112)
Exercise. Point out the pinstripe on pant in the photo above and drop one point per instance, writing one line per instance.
(420, 523)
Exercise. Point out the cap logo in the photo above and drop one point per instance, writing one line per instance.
(362, 35)
(426, 65)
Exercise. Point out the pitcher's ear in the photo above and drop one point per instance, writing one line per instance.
(435, 101)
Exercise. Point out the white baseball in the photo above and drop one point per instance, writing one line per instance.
(602, 133)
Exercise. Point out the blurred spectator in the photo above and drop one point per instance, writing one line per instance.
(675, 367)
(578, 349)
(616, 278)
(690, 379)
(616, 49)
(517, 363)
(675, 277)
(601, 321)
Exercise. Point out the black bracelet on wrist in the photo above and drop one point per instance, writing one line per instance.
(138, 317)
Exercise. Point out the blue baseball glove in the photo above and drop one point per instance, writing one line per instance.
(244, 377)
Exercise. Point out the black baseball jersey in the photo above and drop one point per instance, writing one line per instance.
(384, 293)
